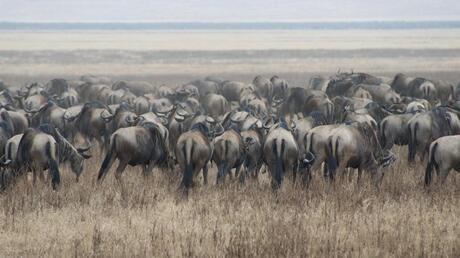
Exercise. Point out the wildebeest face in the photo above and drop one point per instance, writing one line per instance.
(387, 159)
(77, 161)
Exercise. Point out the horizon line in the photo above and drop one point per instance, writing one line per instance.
(237, 22)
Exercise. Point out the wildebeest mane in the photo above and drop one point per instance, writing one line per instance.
(201, 127)
(7, 128)
(157, 141)
(442, 120)
(318, 118)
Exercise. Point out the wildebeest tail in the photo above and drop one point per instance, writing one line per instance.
(383, 139)
(279, 168)
(333, 158)
(222, 169)
(412, 142)
(53, 166)
(431, 163)
(187, 179)
(108, 159)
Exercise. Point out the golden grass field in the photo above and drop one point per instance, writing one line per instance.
(147, 217)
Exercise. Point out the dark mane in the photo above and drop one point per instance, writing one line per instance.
(201, 127)
(442, 120)
(7, 128)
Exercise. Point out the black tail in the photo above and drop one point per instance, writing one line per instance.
(430, 165)
(107, 160)
(332, 160)
(279, 168)
(53, 167)
(383, 139)
(412, 143)
(187, 179)
(222, 172)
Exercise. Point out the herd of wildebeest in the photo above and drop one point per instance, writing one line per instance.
(338, 124)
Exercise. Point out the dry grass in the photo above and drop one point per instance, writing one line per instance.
(147, 218)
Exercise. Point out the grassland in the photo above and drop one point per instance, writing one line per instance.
(148, 217)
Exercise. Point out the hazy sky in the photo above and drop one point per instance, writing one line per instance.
(227, 10)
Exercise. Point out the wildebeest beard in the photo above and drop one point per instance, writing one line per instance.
(442, 121)
(371, 139)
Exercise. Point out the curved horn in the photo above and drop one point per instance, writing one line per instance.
(106, 118)
(210, 120)
(220, 130)
(179, 118)
(130, 120)
(84, 149)
(182, 112)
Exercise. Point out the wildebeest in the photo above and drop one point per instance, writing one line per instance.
(253, 139)
(443, 156)
(315, 143)
(90, 124)
(303, 101)
(215, 105)
(229, 153)
(426, 127)
(356, 146)
(137, 145)
(281, 153)
(263, 86)
(45, 148)
(394, 130)
(193, 152)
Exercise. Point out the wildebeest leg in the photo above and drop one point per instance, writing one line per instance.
(351, 171)
(443, 172)
(148, 168)
(41, 175)
(294, 173)
(360, 172)
(237, 171)
(325, 170)
(121, 167)
(205, 174)
(34, 177)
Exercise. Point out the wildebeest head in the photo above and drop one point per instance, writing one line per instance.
(160, 151)
(6, 100)
(67, 152)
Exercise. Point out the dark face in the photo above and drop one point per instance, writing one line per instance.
(76, 164)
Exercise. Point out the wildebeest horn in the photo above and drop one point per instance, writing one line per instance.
(106, 118)
(220, 130)
(130, 120)
(210, 120)
(165, 113)
(84, 149)
(268, 123)
(182, 112)
(27, 110)
(140, 119)
(309, 158)
(179, 118)
(85, 156)
(6, 162)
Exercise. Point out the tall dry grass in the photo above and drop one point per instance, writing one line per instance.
(148, 217)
